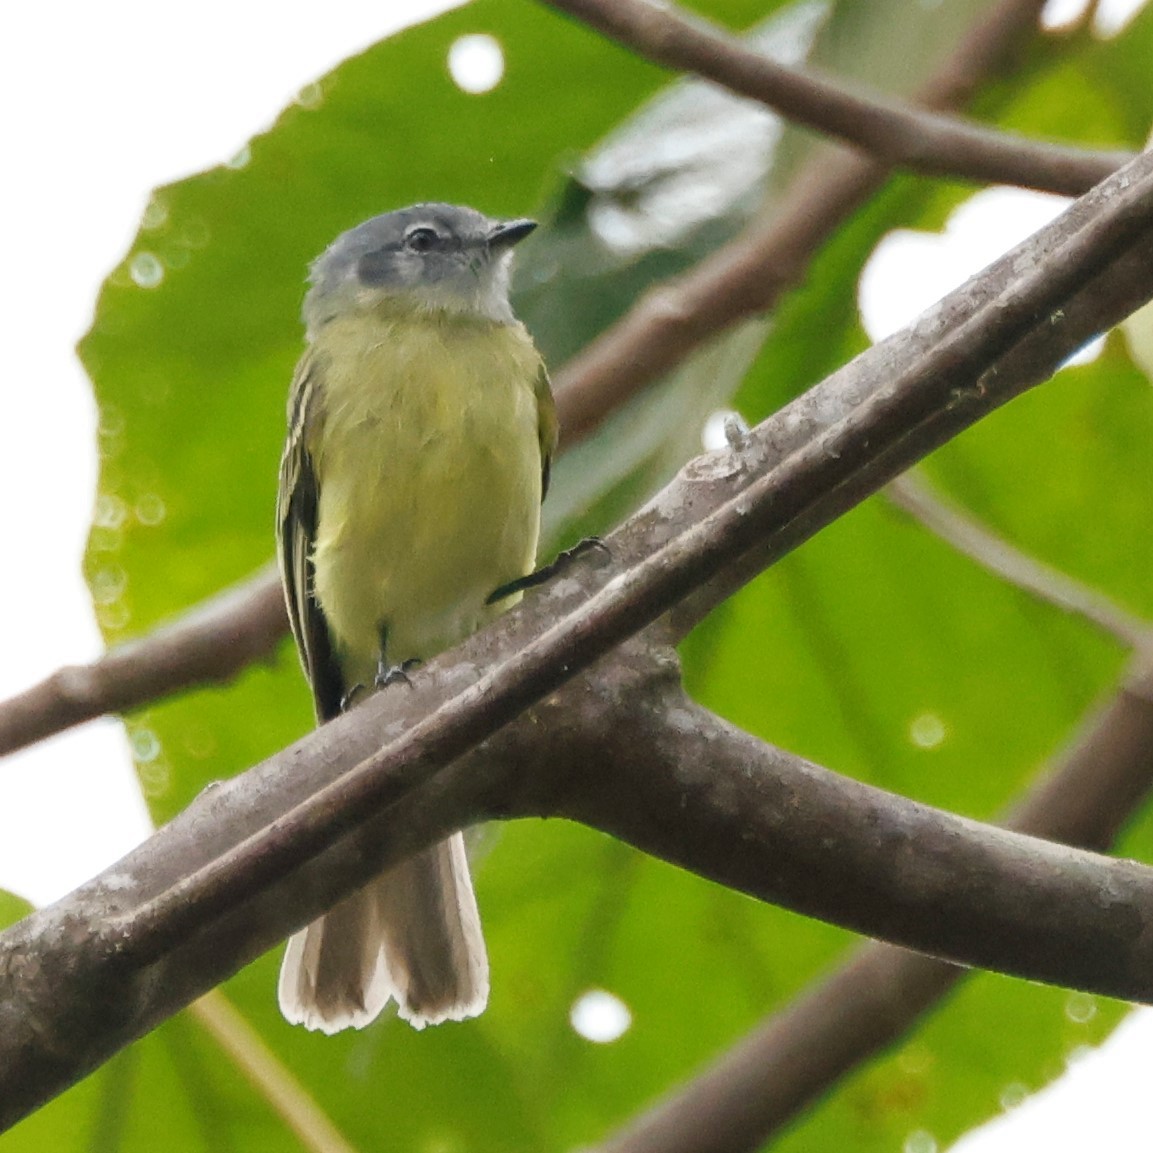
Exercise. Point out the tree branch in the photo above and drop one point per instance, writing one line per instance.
(759, 820)
(796, 1056)
(212, 643)
(936, 334)
(898, 135)
(746, 276)
(108, 962)
(837, 467)
(749, 274)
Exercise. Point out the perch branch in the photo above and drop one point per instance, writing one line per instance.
(82, 985)
(745, 276)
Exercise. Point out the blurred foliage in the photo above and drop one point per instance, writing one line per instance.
(12, 908)
(890, 657)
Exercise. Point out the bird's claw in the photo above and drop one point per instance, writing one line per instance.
(548, 571)
(389, 674)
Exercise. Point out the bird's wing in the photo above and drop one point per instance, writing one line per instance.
(547, 426)
(297, 512)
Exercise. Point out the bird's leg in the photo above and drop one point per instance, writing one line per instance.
(387, 674)
(548, 571)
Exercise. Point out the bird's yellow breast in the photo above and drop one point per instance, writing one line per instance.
(429, 470)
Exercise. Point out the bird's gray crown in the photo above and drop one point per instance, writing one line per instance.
(437, 257)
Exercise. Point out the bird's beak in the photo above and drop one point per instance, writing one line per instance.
(509, 232)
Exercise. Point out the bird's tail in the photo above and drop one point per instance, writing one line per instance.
(412, 934)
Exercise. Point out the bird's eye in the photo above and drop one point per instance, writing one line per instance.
(421, 239)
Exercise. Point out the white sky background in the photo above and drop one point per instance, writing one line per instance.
(101, 102)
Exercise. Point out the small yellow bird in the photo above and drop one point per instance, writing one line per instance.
(421, 427)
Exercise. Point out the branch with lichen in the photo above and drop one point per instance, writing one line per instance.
(580, 714)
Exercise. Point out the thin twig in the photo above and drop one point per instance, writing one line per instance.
(894, 133)
(268, 1075)
(913, 495)
(212, 643)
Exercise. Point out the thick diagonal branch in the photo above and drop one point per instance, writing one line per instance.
(256, 857)
(926, 400)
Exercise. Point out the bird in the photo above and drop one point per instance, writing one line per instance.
(421, 428)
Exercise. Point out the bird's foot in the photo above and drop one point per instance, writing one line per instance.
(385, 675)
(548, 571)
(390, 674)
